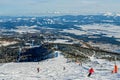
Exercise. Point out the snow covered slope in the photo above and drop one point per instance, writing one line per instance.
(58, 69)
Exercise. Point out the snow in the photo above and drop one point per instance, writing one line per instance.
(19, 19)
(7, 43)
(107, 29)
(107, 47)
(74, 31)
(64, 41)
(25, 29)
(108, 14)
(34, 18)
(118, 14)
(111, 14)
(53, 69)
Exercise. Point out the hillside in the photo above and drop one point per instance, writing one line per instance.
(58, 69)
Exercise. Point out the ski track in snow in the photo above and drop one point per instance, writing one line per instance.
(53, 69)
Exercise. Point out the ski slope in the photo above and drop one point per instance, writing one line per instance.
(53, 69)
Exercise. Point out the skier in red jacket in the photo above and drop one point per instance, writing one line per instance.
(91, 71)
(115, 69)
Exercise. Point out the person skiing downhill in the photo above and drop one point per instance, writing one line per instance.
(64, 68)
(91, 71)
(115, 70)
(38, 69)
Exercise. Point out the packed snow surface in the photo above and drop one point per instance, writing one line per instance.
(58, 69)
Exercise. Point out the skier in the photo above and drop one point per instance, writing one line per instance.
(115, 69)
(38, 69)
(91, 71)
(64, 68)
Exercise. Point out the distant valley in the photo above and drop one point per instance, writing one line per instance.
(99, 32)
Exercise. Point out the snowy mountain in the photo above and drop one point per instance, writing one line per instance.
(111, 14)
(85, 41)
(108, 14)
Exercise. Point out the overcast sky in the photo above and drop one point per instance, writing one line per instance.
(47, 7)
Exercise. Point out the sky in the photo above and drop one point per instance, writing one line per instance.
(57, 7)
